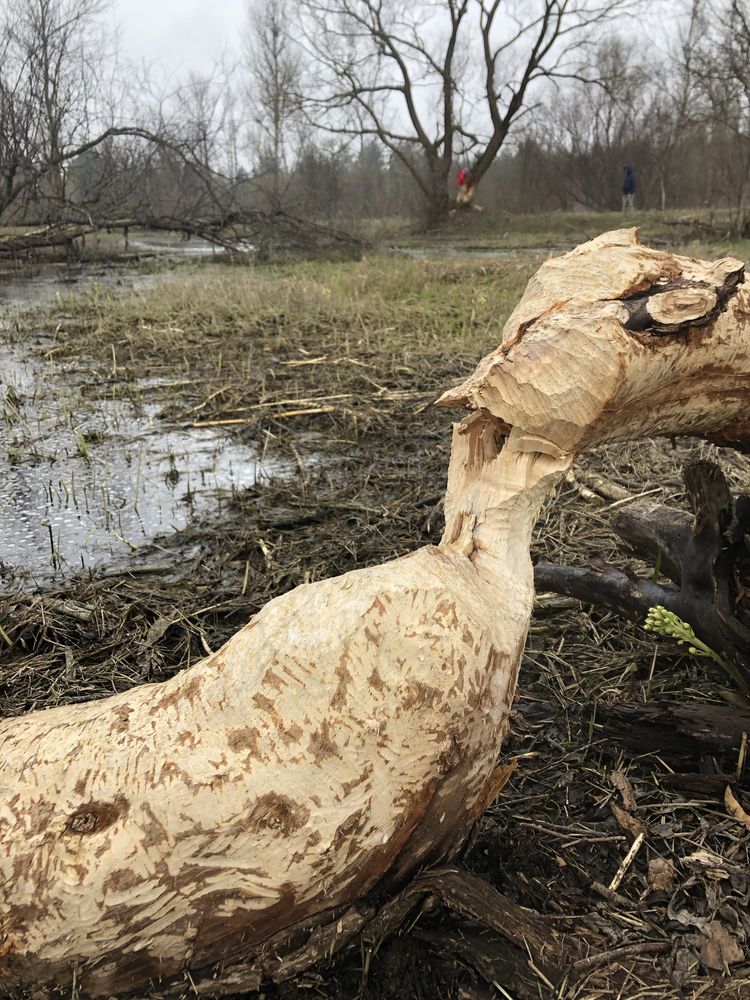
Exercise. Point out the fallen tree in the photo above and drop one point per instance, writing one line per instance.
(268, 235)
(45, 238)
(239, 820)
(705, 745)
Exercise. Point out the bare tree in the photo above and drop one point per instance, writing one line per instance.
(17, 119)
(71, 146)
(273, 95)
(588, 130)
(52, 52)
(437, 81)
(635, 112)
(718, 63)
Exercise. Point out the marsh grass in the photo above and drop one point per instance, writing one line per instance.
(341, 343)
(366, 347)
(385, 295)
(675, 228)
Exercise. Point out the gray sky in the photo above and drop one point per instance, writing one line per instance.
(179, 34)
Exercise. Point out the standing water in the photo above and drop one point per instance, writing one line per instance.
(85, 481)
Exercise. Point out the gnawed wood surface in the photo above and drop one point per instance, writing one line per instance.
(570, 373)
(281, 776)
(347, 736)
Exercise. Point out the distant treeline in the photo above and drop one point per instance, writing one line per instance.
(376, 118)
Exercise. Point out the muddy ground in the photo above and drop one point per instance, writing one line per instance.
(360, 402)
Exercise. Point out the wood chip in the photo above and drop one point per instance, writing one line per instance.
(626, 862)
(631, 824)
(624, 787)
(735, 809)
(708, 864)
(661, 875)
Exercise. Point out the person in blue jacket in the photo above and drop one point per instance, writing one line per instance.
(628, 190)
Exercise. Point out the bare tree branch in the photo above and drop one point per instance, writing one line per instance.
(396, 63)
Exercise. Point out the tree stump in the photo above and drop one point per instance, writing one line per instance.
(706, 555)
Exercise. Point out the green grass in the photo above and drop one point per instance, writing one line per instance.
(689, 230)
(342, 344)
(229, 339)
(383, 302)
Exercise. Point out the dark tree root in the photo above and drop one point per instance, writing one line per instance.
(491, 936)
(707, 557)
(501, 938)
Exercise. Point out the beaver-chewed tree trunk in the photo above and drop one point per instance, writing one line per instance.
(255, 805)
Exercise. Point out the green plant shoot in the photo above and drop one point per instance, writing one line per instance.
(669, 624)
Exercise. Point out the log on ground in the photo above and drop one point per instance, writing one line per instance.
(347, 736)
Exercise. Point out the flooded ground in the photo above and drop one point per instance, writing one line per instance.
(89, 476)
(38, 283)
(171, 246)
(32, 285)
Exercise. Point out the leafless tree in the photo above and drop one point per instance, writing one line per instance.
(635, 112)
(272, 63)
(445, 80)
(71, 146)
(588, 129)
(718, 65)
(52, 51)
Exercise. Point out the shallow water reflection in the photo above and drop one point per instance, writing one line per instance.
(87, 481)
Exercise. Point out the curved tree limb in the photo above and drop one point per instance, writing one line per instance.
(706, 557)
(346, 738)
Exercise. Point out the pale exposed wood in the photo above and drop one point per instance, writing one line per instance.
(348, 735)
(602, 486)
(570, 372)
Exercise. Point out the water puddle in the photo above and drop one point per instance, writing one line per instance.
(173, 247)
(29, 286)
(88, 478)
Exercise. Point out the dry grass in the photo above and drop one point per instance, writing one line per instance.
(368, 346)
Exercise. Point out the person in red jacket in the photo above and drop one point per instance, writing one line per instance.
(462, 183)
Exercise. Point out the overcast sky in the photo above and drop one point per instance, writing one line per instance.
(179, 34)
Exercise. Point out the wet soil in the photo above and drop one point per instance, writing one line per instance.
(576, 802)
(92, 469)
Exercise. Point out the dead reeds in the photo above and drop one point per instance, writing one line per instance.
(651, 881)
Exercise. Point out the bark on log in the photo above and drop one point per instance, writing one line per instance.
(655, 532)
(46, 238)
(712, 738)
(682, 732)
(347, 736)
(233, 232)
